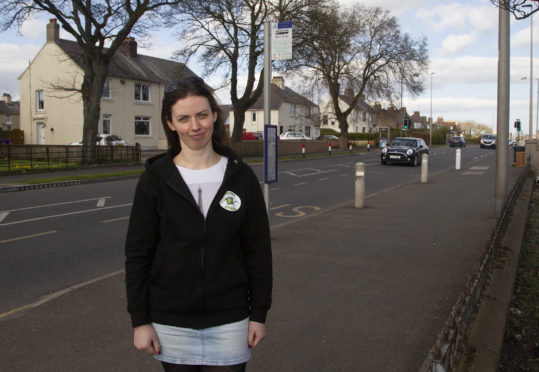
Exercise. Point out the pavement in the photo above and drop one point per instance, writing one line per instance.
(354, 289)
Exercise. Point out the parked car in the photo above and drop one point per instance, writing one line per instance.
(512, 142)
(104, 140)
(292, 136)
(488, 141)
(328, 137)
(251, 136)
(457, 141)
(404, 150)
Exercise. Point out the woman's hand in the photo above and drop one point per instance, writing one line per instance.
(257, 332)
(146, 339)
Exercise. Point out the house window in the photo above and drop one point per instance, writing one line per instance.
(142, 125)
(142, 92)
(106, 124)
(308, 131)
(333, 123)
(308, 112)
(364, 129)
(363, 115)
(8, 119)
(253, 117)
(292, 110)
(106, 90)
(40, 104)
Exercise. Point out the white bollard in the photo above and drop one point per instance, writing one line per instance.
(457, 159)
(424, 168)
(360, 185)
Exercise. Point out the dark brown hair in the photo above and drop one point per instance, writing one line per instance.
(180, 89)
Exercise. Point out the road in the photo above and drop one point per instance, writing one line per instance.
(52, 239)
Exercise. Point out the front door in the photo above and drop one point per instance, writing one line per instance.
(40, 133)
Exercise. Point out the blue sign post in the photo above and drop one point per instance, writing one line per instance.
(270, 153)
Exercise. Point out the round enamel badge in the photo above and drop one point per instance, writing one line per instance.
(230, 201)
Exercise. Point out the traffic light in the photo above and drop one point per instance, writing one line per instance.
(517, 125)
(406, 123)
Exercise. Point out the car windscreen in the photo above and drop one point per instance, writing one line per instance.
(489, 136)
(403, 142)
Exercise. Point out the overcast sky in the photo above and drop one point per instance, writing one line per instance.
(463, 50)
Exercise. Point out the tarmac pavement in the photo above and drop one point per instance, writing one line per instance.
(354, 289)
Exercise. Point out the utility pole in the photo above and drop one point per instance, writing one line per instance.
(503, 109)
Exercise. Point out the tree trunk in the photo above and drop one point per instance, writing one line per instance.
(239, 119)
(92, 89)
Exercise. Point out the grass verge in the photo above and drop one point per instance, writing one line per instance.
(82, 177)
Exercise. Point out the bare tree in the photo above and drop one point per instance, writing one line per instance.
(93, 24)
(520, 8)
(360, 50)
(227, 35)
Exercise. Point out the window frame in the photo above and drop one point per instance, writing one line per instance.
(40, 100)
(143, 118)
(106, 90)
(106, 117)
(140, 92)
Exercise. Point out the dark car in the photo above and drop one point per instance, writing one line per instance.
(404, 150)
(457, 141)
(488, 141)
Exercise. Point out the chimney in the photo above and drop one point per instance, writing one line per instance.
(129, 47)
(53, 31)
(6, 98)
(279, 81)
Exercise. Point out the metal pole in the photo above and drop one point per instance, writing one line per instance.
(503, 109)
(430, 126)
(267, 91)
(537, 111)
(531, 77)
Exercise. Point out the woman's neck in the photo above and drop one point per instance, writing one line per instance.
(197, 159)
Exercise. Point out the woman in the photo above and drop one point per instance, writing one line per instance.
(198, 254)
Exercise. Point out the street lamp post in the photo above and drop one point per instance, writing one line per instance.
(430, 126)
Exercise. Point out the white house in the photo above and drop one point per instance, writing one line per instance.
(360, 120)
(290, 111)
(130, 104)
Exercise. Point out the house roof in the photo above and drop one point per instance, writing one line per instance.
(360, 105)
(140, 67)
(279, 96)
(12, 108)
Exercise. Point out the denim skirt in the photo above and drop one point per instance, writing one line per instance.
(215, 346)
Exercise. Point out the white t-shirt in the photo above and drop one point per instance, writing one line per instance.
(204, 183)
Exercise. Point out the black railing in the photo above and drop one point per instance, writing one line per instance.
(25, 158)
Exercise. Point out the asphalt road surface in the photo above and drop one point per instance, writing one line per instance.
(55, 238)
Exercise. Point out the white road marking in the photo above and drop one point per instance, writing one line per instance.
(52, 205)
(299, 184)
(65, 214)
(476, 167)
(3, 215)
(324, 179)
(28, 236)
(101, 202)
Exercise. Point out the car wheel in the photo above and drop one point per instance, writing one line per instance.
(415, 162)
(384, 162)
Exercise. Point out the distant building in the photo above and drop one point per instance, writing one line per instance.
(9, 113)
(390, 117)
(290, 111)
(360, 120)
(130, 104)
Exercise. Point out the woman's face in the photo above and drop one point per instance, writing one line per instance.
(192, 118)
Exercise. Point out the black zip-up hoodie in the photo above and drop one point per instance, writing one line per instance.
(188, 271)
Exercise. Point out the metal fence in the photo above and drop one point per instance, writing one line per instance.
(25, 158)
